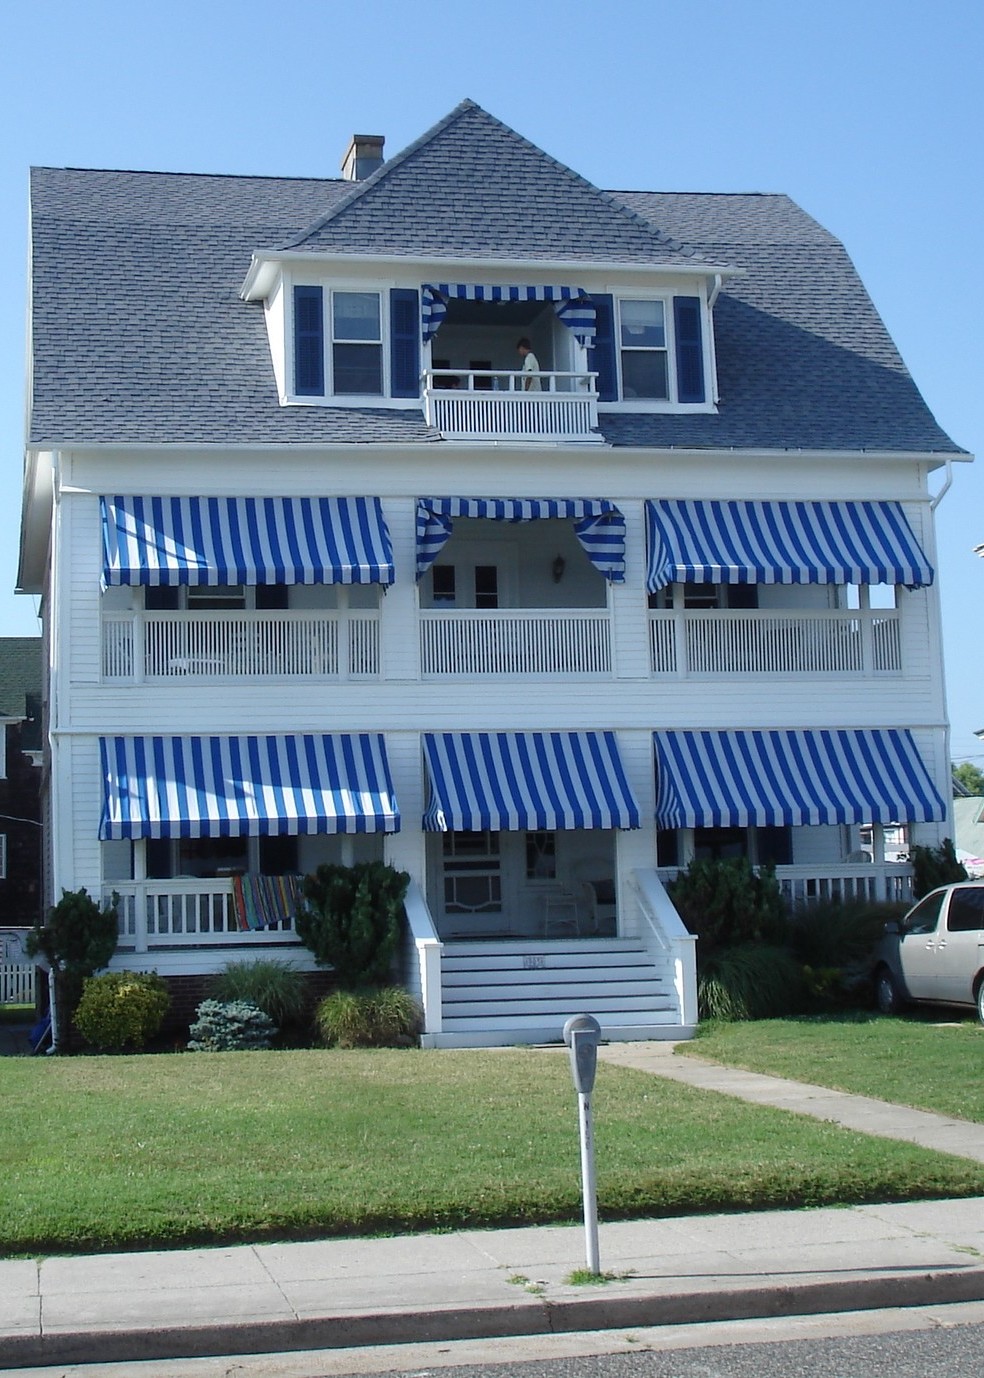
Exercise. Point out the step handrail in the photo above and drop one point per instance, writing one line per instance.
(664, 929)
(427, 948)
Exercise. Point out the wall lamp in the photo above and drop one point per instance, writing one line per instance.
(557, 568)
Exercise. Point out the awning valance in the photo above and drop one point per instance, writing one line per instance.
(772, 778)
(598, 525)
(245, 786)
(183, 540)
(572, 305)
(782, 543)
(526, 780)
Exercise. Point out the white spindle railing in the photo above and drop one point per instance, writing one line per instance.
(422, 958)
(531, 642)
(668, 940)
(16, 983)
(184, 913)
(725, 642)
(475, 404)
(240, 645)
(846, 881)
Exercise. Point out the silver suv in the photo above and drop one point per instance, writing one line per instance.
(936, 952)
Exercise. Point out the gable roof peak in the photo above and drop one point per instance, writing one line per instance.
(470, 186)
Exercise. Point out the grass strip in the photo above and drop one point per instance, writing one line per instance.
(926, 1063)
(133, 1152)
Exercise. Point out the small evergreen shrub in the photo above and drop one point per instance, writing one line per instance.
(121, 1009)
(750, 981)
(275, 987)
(385, 1018)
(76, 939)
(934, 866)
(223, 1026)
(351, 917)
(727, 902)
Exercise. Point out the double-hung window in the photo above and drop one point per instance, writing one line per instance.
(356, 343)
(643, 353)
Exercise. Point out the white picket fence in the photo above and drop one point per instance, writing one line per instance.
(16, 984)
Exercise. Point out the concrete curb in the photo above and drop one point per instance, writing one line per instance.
(598, 1312)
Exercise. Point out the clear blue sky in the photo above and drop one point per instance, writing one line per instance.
(866, 112)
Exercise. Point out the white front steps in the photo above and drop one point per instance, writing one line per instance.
(501, 993)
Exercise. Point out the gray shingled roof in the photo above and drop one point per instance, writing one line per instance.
(140, 335)
(20, 685)
(472, 187)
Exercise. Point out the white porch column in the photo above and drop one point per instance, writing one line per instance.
(399, 625)
(630, 615)
(406, 850)
(635, 849)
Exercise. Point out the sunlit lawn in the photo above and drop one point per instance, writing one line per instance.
(140, 1151)
(934, 1062)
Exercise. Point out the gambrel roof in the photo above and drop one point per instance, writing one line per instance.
(139, 333)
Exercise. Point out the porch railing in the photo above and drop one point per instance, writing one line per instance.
(240, 645)
(719, 642)
(185, 913)
(533, 642)
(422, 958)
(478, 404)
(667, 939)
(805, 885)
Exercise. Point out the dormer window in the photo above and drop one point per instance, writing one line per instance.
(350, 324)
(643, 352)
(357, 344)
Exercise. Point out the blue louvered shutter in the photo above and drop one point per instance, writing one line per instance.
(309, 342)
(689, 349)
(404, 342)
(601, 359)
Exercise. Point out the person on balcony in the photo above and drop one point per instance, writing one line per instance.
(531, 365)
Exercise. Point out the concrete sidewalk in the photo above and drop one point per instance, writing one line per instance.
(477, 1284)
(481, 1284)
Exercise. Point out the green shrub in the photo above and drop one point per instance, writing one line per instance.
(385, 1018)
(934, 866)
(121, 1009)
(750, 981)
(351, 917)
(838, 934)
(230, 1026)
(76, 939)
(275, 987)
(727, 902)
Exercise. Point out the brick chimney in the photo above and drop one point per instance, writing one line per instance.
(364, 156)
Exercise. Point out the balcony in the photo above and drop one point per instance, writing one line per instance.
(720, 642)
(185, 913)
(152, 646)
(479, 404)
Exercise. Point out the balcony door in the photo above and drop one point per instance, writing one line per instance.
(478, 576)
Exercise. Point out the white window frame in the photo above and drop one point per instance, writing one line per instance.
(666, 301)
(3, 856)
(345, 399)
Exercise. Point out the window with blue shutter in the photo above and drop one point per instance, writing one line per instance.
(689, 349)
(309, 342)
(404, 342)
(601, 359)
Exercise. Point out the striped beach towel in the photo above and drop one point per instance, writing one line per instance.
(265, 901)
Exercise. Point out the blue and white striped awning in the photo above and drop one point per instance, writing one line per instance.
(572, 305)
(772, 778)
(526, 780)
(246, 786)
(782, 543)
(152, 540)
(598, 525)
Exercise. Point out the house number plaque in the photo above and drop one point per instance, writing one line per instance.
(534, 962)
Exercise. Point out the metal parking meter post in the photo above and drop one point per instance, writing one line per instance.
(582, 1034)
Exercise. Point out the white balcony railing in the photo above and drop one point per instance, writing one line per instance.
(523, 643)
(240, 645)
(724, 642)
(470, 404)
(184, 913)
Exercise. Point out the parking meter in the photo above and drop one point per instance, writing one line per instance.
(582, 1034)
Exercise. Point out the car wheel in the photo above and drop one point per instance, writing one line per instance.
(980, 1000)
(888, 995)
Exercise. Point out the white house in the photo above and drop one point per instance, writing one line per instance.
(328, 575)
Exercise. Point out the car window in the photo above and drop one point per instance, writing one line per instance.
(925, 916)
(966, 911)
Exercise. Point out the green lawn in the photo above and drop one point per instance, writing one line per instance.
(934, 1064)
(173, 1149)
